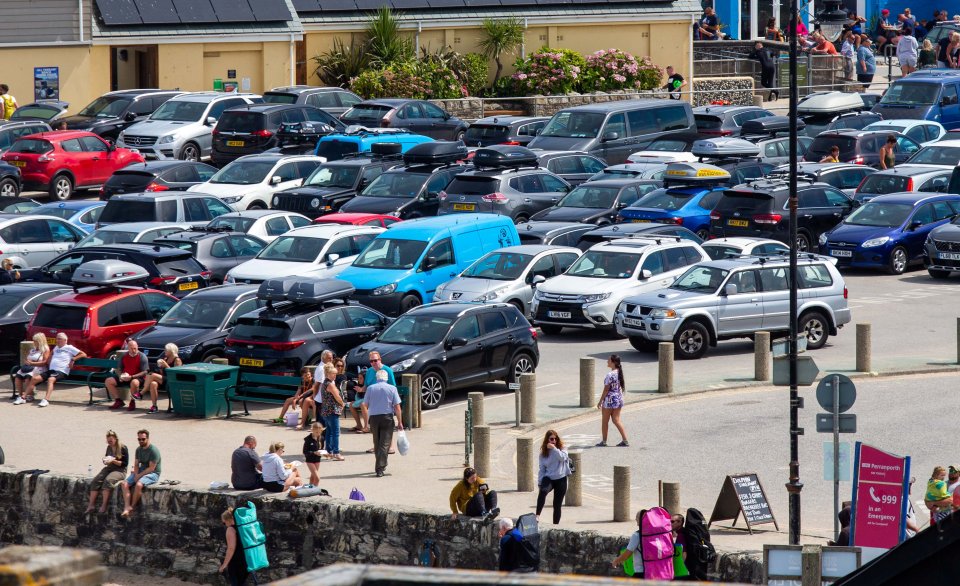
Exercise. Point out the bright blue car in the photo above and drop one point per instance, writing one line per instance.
(357, 139)
(80, 213)
(889, 231)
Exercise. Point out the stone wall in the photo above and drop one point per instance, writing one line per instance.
(177, 532)
(734, 90)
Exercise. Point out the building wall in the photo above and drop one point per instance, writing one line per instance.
(194, 66)
(84, 71)
(37, 21)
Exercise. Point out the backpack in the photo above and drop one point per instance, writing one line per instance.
(251, 537)
(356, 495)
(529, 555)
(700, 552)
(656, 544)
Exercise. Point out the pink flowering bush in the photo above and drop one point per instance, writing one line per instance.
(548, 71)
(612, 69)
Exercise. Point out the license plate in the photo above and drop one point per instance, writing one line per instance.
(236, 143)
(843, 253)
(251, 362)
(464, 207)
(740, 223)
(949, 255)
(559, 314)
(20, 164)
(640, 221)
(629, 321)
(188, 286)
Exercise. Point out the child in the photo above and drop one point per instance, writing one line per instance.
(937, 499)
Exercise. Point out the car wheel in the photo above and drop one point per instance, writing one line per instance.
(432, 390)
(522, 364)
(408, 303)
(8, 188)
(551, 330)
(897, 263)
(61, 188)
(938, 274)
(209, 357)
(643, 345)
(521, 219)
(691, 341)
(190, 152)
(519, 305)
(803, 242)
(816, 328)
(257, 205)
(460, 136)
(703, 233)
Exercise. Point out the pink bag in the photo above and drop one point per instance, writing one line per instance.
(656, 545)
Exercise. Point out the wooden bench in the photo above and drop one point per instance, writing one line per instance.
(89, 372)
(260, 388)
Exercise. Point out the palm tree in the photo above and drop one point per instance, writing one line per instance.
(386, 45)
(500, 36)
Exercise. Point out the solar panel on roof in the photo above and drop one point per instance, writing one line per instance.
(409, 4)
(195, 11)
(338, 5)
(233, 11)
(371, 4)
(307, 5)
(270, 10)
(447, 3)
(157, 11)
(485, 3)
(118, 12)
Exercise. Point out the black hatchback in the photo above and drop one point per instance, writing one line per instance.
(166, 175)
(252, 128)
(454, 345)
(18, 303)
(219, 250)
(597, 202)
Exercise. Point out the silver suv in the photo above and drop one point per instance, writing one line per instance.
(735, 298)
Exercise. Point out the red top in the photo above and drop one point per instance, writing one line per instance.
(131, 364)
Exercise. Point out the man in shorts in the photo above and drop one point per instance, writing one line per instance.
(147, 471)
(131, 367)
(62, 359)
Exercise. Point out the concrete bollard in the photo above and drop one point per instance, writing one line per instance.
(574, 496)
(406, 412)
(958, 340)
(671, 497)
(528, 398)
(412, 382)
(526, 465)
(761, 356)
(665, 377)
(810, 565)
(476, 401)
(481, 450)
(758, 100)
(25, 348)
(587, 374)
(222, 361)
(864, 348)
(621, 493)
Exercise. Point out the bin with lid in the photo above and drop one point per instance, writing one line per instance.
(198, 390)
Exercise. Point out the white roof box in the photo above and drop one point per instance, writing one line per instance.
(830, 103)
(694, 173)
(108, 272)
(724, 148)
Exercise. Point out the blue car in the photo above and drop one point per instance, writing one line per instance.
(80, 213)
(357, 139)
(693, 189)
(888, 232)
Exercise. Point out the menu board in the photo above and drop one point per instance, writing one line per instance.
(743, 494)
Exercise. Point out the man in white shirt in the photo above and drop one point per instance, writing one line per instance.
(62, 358)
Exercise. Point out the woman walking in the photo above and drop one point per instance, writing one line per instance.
(554, 469)
(234, 566)
(611, 401)
(36, 363)
(312, 451)
(331, 407)
(115, 462)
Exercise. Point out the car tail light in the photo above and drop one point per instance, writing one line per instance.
(162, 280)
(767, 219)
(533, 332)
(845, 293)
(858, 160)
(85, 331)
(46, 158)
(262, 133)
(495, 198)
(205, 274)
(677, 221)
(215, 132)
(153, 186)
(384, 122)
(909, 184)
(103, 189)
(714, 215)
(511, 143)
(442, 195)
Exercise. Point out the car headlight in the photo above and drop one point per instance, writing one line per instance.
(233, 199)
(874, 242)
(385, 290)
(491, 295)
(276, 200)
(594, 298)
(186, 351)
(401, 366)
(537, 295)
(120, 137)
(315, 202)
(823, 239)
(662, 313)
(167, 138)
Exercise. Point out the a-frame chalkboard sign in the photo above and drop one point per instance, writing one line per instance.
(743, 493)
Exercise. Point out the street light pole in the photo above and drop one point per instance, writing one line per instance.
(794, 486)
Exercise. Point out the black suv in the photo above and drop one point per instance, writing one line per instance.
(302, 318)
(454, 345)
(199, 323)
(333, 100)
(112, 112)
(759, 209)
(515, 130)
(171, 270)
(252, 128)
(333, 184)
(10, 183)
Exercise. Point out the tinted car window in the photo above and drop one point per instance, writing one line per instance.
(131, 310)
(179, 266)
(467, 327)
(361, 317)
(775, 279)
(493, 322)
(333, 320)
(157, 305)
(674, 258)
(653, 263)
(552, 184)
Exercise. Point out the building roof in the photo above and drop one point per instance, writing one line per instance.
(216, 18)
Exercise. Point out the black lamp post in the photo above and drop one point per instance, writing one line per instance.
(831, 19)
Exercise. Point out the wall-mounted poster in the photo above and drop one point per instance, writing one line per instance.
(46, 83)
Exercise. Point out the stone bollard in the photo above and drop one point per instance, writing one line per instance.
(25, 348)
(526, 465)
(671, 497)
(476, 404)
(621, 493)
(222, 361)
(528, 398)
(864, 348)
(587, 374)
(481, 450)
(810, 565)
(958, 340)
(665, 378)
(574, 496)
(761, 356)
(412, 382)
(406, 412)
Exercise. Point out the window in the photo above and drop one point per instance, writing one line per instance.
(905, 145)
(949, 97)
(527, 183)
(243, 308)
(544, 267)
(333, 320)
(65, 265)
(653, 263)
(936, 185)
(562, 165)
(72, 146)
(361, 241)
(130, 310)
(276, 226)
(642, 122)
(30, 307)
(493, 322)
(812, 276)
(924, 214)
(941, 210)
(836, 199)
(774, 149)
(292, 116)
(287, 172)
(60, 232)
(298, 221)
(90, 216)
(746, 281)
(369, 174)
(220, 249)
(672, 118)
(674, 258)
(467, 328)
(591, 165)
(347, 99)
(709, 201)
(437, 183)
(848, 178)
(565, 259)
(30, 232)
(157, 305)
(244, 245)
(693, 256)
(92, 144)
(410, 112)
(774, 279)
(432, 111)
(342, 247)
(553, 184)
(617, 123)
(323, 100)
(628, 196)
(812, 198)
(305, 168)
(216, 207)
(217, 109)
(107, 315)
(361, 317)
(142, 107)
(194, 210)
(441, 251)
(918, 133)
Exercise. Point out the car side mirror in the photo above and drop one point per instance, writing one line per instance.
(431, 195)
(332, 258)
(608, 136)
(621, 205)
(456, 342)
(276, 180)
(646, 274)
(211, 121)
(730, 289)
(537, 280)
(129, 117)
(537, 132)
(428, 263)
(914, 225)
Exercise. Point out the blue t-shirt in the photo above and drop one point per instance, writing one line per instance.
(709, 21)
(370, 376)
(869, 66)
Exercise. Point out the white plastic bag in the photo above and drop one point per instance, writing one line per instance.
(292, 417)
(403, 444)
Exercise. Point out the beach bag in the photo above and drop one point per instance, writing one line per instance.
(251, 537)
(679, 568)
(356, 495)
(656, 545)
(403, 444)
(292, 418)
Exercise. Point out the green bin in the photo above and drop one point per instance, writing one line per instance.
(198, 389)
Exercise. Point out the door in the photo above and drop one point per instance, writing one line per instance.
(336, 333)
(924, 219)
(465, 363)
(411, 117)
(904, 149)
(428, 203)
(949, 107)
(775, 286)
(443, 270)
(80, 162)
(569, 168)
(62, 236)
(126, 316)
(102, 160)
(741, 311)
(497, 342)
(814, 215)
(442, 127)
(615, 142)
(31, 240)
(364, 324)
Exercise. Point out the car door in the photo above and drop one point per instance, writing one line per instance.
(411, 117)
(195, 210)
(336, 333)
(497, 342)
(742, 309)
(157, 305)
(442, 126)
(428, 203)
(924, 219)
(654, 265)
(569, 168)
(813, 213)
(553, 189)
(904, 149)
(364, 324)
(949, 106)
(63, 237)
(465, 362)
(443, 270)
(775, 295)
(131, 317)
(80, 162)
(616, 144)
(31, 240)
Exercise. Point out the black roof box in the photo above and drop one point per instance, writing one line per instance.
(276, 289)
(385, 148)
(768, 125)
(505, 156)
(319, 290)
(439, 152)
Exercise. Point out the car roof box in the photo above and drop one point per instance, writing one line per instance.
(768, 125)
(726, 147)
(505, 156)
(439, 152)
(385, 148)
(276, 289)
(319, 290)
(109, 272)
(830, 103)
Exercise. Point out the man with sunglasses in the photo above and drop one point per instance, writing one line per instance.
(146, 471)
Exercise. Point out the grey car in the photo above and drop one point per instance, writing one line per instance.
(30, 241)
(926, 178)
(635, 170)
(417, 116)
(332, 100)
(11, 131)
(844, 176)
(507, 275)
(714, 121)
(514, 130)
(518, 193)
(735, 298)
(573, 167)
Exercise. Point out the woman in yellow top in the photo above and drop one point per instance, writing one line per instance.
(833, 157)
(473, 498)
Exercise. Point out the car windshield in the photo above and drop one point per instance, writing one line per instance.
(257, 329)
(55, 211)
(235, 224)
(934, 155)
(705, 122)
(882, 126)
(604, 265)
(905, 93)
(391, 253)
(196, 313)
(574, 125)
(585, 196)
(293, 249)
(344, 176)
(180, 111)
(415, 329)
(880, 183)
(98, 237)
(243, 173)
(106, 107)
(880, 215)
(60, 317)
(702, 279)
(396, 185)
(663, 199)
(717, 252)
(499, 266)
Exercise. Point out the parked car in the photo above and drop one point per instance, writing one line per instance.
(263, 224)
(112, 112)
(514, 130)
(439, 342)
(924, 132)
(572, 167)
(9, 181)
(889, 231)
(250, 182)
(30, 241)
(666, 150)
(834, 110)
(555, 233)
(11, 131)
(252, 128)
(928, 94)
(713, 121)
(941, 251)
(128, 232)
(587, 294)
(358, 139)
(902, 178)
(181, 127)
(218, 251)
(63, 161)
(771, 134)
(332, 100)
(844, 176)
(14, 204)
(358, 219)
(49, 111)
(721, 248)
(735, 298)
(597, 202)
(17, 306)
(82, 214)
(635, 170)
(648, 230)
(199, 323)
(860, 146)
(945, 153)
(162, 207)
(418, 116)
(506, 275)
(152, 176)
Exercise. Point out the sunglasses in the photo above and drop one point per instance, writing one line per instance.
(551, 439)
(141, 439)
(374, 360)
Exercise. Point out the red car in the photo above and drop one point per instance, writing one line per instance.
(63, 161)
(358, 219)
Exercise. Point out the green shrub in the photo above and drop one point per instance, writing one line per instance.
(475, 73)
(549, 71)
(342, 63)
